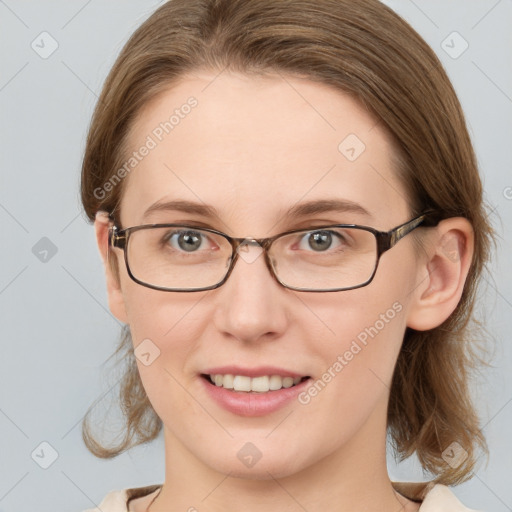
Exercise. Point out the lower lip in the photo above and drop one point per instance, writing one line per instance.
(253, 403)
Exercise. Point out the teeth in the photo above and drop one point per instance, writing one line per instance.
(287, 382)
(276, 382)
(259, 384)
(227, 381)
(240, 383)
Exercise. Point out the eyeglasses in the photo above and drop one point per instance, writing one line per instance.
(185, 258)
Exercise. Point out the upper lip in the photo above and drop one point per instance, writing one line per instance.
(259, 371)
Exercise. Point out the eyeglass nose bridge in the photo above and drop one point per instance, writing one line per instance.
(238, 245)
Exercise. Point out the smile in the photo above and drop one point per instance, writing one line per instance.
(256, 391)
(260, 384)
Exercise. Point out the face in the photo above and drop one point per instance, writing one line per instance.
(252, 148)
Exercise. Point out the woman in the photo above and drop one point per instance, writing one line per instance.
(290, 215)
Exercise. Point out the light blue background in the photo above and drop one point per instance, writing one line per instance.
(56, 328)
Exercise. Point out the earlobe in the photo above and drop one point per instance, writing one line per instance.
(115, 295)
(442, 274)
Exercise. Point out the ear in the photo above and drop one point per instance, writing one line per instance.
(116, 302)
(442, 274)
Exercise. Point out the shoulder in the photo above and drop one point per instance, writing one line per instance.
(440, 498)
(117, 500)
(433, 497)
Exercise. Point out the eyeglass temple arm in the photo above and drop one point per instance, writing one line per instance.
(116, 240)
(386, 240)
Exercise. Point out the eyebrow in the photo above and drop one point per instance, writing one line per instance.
(300, 210)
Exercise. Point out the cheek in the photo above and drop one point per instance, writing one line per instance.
(372, 312)
(359, 333)
(358, 361)
(164, 327)
(368, 342)
(172, 322)
(156, 314)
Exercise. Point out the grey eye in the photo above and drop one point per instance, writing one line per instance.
(188, 241)
(320, 241)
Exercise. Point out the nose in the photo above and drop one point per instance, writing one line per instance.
(251, 304)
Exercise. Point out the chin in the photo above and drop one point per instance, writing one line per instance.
(248, 462)
(260, 471)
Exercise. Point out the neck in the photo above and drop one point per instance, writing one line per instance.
(352, 478)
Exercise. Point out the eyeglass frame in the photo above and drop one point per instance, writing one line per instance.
(386, 240)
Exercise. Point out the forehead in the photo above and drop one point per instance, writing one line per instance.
(254, 146)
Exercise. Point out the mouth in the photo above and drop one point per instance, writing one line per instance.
(252, 392)
(253, 385)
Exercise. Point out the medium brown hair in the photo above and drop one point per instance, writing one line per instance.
(364, 49)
